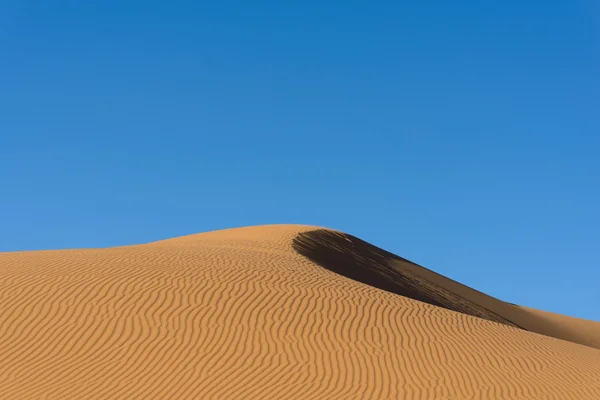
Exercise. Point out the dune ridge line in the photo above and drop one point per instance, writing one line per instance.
(273, 312)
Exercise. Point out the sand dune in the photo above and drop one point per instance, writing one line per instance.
(273, 312)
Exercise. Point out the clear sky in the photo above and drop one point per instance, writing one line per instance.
(463, 135)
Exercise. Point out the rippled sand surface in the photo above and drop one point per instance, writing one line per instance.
(273, 312)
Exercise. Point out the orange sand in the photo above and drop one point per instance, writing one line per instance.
(242, 314)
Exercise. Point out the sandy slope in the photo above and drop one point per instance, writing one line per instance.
(273, 312)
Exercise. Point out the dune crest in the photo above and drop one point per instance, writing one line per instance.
(273, 312)
(357, 259)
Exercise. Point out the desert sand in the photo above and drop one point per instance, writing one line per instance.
(273, 312)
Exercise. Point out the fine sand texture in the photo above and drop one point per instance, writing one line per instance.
(273, 312)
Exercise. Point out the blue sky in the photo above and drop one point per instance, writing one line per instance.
(464, 136)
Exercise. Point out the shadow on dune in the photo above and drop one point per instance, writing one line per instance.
(356, 259)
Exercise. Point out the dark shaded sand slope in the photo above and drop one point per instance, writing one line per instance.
(273, 312)
(347, 255)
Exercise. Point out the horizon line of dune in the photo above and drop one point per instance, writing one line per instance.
(273, 312)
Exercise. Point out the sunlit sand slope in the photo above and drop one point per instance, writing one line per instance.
(273, 312)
